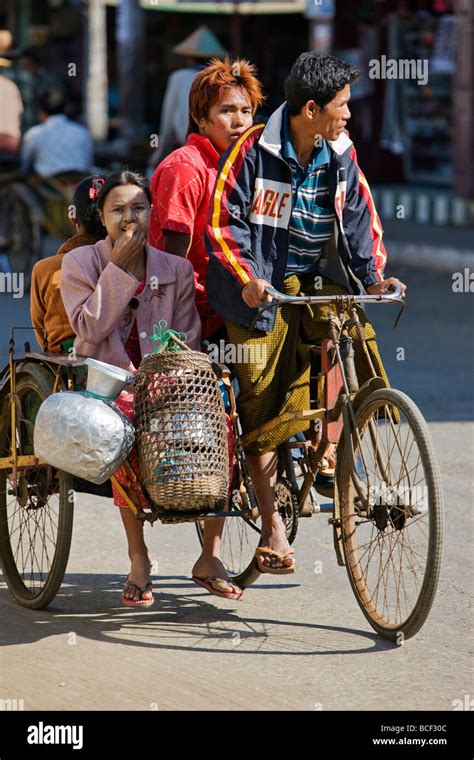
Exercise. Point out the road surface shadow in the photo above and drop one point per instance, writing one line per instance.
(89, 606)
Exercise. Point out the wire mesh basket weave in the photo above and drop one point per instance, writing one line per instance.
(181, 432)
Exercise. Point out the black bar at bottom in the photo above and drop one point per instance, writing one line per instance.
(76, 734)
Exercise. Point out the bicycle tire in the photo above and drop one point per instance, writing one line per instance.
(37, 381)
(394, 630)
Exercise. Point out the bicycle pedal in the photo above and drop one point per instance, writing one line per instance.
(311, 506)
(307, 510)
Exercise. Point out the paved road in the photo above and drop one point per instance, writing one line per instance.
(301, 643)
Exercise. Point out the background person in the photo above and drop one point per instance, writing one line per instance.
(10, 116)
(56, 145)
(197, 50)
(30, 69)
(22, 79)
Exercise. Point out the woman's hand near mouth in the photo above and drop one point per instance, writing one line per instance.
(128, 248)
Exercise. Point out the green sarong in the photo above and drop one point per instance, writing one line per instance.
(273, 369)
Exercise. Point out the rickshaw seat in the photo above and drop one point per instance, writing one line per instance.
(61, 359)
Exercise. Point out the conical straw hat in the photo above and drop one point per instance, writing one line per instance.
(202, 43)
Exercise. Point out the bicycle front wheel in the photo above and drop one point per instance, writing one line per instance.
(392, 540)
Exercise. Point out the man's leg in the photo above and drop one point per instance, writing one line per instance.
(209, 564)
(263, 471)
(269, 366)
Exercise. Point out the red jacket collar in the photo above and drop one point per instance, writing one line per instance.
(204, 145)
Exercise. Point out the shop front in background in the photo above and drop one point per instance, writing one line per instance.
(403, 113)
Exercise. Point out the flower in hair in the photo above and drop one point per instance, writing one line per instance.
(94, 189)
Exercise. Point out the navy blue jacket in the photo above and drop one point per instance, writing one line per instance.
(249, 213)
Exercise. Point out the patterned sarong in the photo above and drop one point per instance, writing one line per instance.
(273, 368)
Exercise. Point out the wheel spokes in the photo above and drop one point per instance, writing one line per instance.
(239, 542)
(387, 546)
(33, 527)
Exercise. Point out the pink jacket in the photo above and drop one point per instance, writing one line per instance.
(96, 295)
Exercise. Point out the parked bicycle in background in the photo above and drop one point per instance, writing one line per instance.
(36, 186)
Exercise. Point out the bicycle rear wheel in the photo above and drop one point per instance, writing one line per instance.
(36, 506)
(393, 543)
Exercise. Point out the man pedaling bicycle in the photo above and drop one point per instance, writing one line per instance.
(291, 209)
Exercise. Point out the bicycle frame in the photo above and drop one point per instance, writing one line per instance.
(337, 384)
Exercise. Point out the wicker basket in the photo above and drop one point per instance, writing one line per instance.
(181, 432)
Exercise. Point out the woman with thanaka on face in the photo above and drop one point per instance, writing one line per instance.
(112, 304)
(222, 103)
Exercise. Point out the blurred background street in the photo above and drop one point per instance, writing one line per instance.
(113, 61)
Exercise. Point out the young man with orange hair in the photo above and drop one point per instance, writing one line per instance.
(222, 103)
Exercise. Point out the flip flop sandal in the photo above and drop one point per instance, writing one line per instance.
(142, 603)
(283, 570)
(207, 584)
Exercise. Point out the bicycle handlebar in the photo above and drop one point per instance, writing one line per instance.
(394, 296)
(278, 299)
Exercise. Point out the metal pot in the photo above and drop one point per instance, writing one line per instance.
(105, 381)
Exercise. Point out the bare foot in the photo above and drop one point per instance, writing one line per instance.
(139, 575)
(213, 567)
(275, 539)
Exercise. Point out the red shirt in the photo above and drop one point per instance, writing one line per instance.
(182, 185)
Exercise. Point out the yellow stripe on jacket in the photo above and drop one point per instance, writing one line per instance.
(217, 207)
